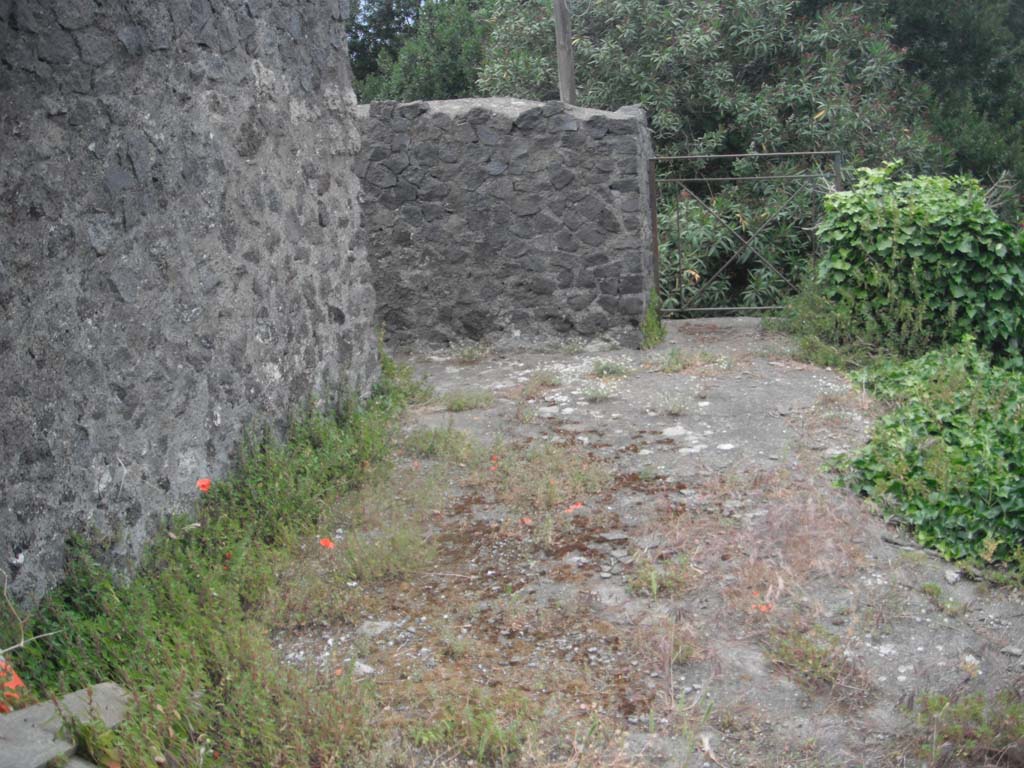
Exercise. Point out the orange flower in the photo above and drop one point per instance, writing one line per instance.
(326, 543)
(573, 507)
(203, 484)
(10, 685)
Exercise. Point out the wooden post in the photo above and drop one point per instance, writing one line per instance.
(566, 65)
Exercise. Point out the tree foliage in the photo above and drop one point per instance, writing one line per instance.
(439, 60)
(971, 57)
(749, 75)
(377, 28)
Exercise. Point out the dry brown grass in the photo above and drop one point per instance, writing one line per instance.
(539, 478)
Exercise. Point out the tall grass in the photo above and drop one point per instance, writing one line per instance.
(185, 636)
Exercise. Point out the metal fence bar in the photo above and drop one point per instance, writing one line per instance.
(751, 178)
(805, 180)
(750, 154)
(727, 309)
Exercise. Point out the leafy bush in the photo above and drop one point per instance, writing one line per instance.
(914, 263)
(949, 457)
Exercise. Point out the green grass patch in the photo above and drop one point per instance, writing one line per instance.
(467, 400)
(476, 729)
(948, 458)
(539, 382)
(445, 443)
(950, 607)
(977, 728)
(815, 659)
(607, 369)
(187, 636)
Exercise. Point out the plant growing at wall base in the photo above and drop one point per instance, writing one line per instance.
(652, 329)
(188, 635)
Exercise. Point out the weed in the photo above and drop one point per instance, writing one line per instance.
(950, 607)
(542, 478)
(525, 414)
(467, 400)
(677, 361)
(539, 382)
(93, 739)
(475, 730)
(187, 636)
(597, 394)
(468, 353)
(659, 578)
(651, 329)
(816, 659)
(446, 443)
(979, 728)
(607, 369)
(676, 408)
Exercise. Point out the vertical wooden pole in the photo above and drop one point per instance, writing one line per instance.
(566, 64)
(837, 169)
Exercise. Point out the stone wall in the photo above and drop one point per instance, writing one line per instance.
(177, 216)
(496, 218)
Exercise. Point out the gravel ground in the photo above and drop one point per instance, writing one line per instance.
(715, 599)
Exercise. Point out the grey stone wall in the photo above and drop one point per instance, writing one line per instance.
(493, 218)
(179, 254)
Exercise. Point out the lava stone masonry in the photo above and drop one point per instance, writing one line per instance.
(179, 254)
(499, 218)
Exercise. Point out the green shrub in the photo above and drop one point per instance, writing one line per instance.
(914, 263)
(949, 457)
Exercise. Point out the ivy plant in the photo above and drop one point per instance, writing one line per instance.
(913, 263)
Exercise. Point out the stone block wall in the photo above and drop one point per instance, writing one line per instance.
(179, 254)
(495, 218)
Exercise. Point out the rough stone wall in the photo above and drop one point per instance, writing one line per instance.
(179, 256)
(499, 217)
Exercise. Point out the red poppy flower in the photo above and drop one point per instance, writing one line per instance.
(11, 687)
(326, 543)
(203, 484)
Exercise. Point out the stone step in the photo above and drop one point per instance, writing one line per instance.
(31, 737)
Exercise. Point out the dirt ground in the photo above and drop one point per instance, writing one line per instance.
(640, 559)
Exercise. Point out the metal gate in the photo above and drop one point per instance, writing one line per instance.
(723, 250)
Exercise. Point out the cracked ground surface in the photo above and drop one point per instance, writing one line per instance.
(638, 558)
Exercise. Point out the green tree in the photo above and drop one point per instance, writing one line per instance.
(971, 57)
(744, 75)
(376, 28)
(438, 60)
